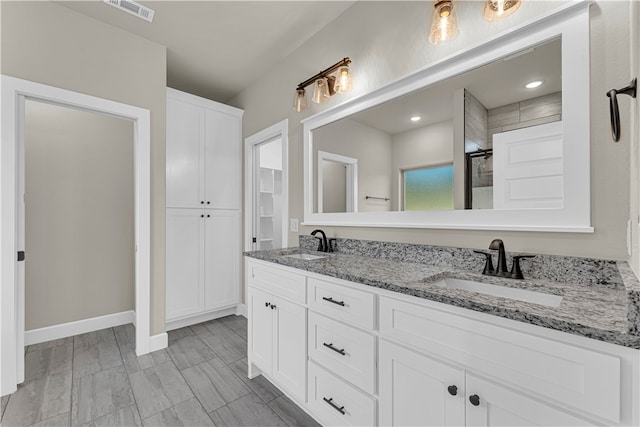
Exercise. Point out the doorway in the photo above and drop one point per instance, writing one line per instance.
(15, 92)
(266, 188)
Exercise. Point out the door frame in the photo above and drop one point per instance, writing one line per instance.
(14, 92)
(278, 130)
(351, 165)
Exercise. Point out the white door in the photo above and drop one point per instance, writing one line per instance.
(527, 168)
(185, 161)
(489, 404)
(222, 259)
(266, 188)
(222, 153)
(185, 262)
(290, 356)
(416, 390)
(261, 324)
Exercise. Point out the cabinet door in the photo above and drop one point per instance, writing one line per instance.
(290, 339)
(499, 406)
(184, 157)
(185, 263)
(415, 389)
(222, 258)
(223, 166)
(260, 329)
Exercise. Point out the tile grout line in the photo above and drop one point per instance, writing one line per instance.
(126, 371)
(191, 388)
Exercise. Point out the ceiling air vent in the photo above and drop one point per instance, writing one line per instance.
(133, 8)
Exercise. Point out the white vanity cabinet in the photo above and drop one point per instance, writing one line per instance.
(278, 329)
(376, 357)
(203, 230)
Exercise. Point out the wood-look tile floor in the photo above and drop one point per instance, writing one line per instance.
(96, 379)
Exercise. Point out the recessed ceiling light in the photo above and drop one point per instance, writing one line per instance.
(533, 85)
(415, 118)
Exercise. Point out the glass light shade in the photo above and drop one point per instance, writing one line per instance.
(498, 9)
(321, 91)
(444, 25)
(343, 80)
(300, 101)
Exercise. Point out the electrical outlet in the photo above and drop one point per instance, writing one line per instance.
(293, 225)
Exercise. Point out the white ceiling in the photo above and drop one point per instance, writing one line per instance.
(496, 84)
(217, 48)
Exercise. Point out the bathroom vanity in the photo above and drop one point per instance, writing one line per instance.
(376, 338)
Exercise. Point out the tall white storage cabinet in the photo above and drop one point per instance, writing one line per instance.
(204, 173)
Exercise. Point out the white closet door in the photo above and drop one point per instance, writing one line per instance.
(185, 263)
(222, 258)
(223, 160)
(185, 163)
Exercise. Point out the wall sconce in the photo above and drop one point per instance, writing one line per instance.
(324, 85)
(444, 25)
(498, 9)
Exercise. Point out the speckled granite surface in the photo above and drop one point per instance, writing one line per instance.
(605, 308)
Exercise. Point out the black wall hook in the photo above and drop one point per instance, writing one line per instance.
(614, 113)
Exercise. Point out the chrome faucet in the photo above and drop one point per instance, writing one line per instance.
(323, 244)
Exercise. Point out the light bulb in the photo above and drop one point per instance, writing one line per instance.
(498, 9)
(343, 81)
(300, 101)
(321, 91)
(444, 25)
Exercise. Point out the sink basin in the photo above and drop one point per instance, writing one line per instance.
(305, 257)
(525, 295)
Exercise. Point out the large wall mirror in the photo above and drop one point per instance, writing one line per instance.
(495, 137)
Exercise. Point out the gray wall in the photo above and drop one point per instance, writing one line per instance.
(48, 43)
(79, 215)
(392, 44)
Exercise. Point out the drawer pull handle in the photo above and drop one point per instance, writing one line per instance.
(453, 390)
(334, 406)
(333, 301)
(337, 350)
(474, 399)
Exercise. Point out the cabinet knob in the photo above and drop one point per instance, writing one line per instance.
(208, 203)
(474, 399)
(202, 202)
(273, 307)
(208, 216)
(266, 304)
(202, 216)
(453, 390)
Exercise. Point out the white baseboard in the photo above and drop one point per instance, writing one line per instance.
(158, 342)
(199, 318)
(241, 310)
(70, 329)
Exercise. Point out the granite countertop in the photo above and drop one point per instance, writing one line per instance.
(598, 312)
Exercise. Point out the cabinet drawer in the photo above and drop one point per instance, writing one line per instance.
(343, 303)
(336, 403)
(346, 351)
(574, 376)
(280, 282)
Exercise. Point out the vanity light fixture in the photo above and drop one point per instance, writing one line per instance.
(495, 10)
(444, 25)
(415, 118)
(534, 84)
(325, 85)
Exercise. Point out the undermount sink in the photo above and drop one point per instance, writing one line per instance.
(525, 295)
(305, 257)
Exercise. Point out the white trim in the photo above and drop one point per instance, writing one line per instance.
(571, 22)
(241, 310)
(277, 130)
(351, 192)
(13, 93)
(77, 327)
(199, 318)
(157, 342)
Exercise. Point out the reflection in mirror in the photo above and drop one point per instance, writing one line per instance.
(337, 183)
(478, 140)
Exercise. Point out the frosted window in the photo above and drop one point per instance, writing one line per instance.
(429, 189)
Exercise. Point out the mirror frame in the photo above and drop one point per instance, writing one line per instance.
(571, 23)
